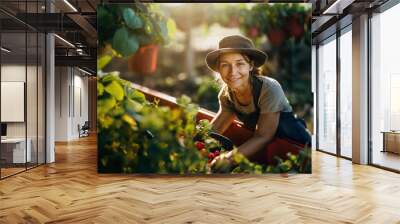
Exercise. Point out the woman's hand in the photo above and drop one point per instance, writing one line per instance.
(265, 131)
(223, 162)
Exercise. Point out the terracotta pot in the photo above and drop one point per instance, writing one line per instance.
(253, 32)
(276, 36)
(294, 27)
(144, 61)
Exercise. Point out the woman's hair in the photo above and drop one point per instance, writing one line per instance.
(255, 70)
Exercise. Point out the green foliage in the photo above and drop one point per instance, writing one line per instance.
(294, 164)
(204, 127)
(207, 93)
(138, 136)
(129, 26)
(131, 20)
(125, 43)
(103, 61)
(268, 17)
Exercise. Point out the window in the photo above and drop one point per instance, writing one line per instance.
(327, 95)
(22, 76)
(385, 87)
(346, 92)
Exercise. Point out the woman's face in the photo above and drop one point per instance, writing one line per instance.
(234, 69)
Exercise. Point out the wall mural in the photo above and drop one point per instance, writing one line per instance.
(204, 88)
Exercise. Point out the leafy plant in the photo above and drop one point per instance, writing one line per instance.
(294, 164)
(207, 93)
(138, 136)
(130, 26)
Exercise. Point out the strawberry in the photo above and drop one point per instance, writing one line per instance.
(217, 152)
(211, 156)
(200, 145)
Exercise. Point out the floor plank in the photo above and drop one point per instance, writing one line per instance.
(71, 191)
(386, 159)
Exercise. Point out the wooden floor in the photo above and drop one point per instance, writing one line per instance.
(10, 171)
(70, 191)
(387, 159)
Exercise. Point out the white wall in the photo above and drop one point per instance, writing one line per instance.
(13, 73)
(33, 127)
(71, 102)
(62, 80)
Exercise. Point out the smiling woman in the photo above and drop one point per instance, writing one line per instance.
(258, 101)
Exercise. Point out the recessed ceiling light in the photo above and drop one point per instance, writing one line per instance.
(84, 71)
(5, 50)
(70, 5)
(65, 41)
(337, 7)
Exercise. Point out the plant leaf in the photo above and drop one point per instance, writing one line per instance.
(137, 96)
(105, 105)
(131, 20)
(124, 43)
(116, 90)
(171, 27)
(103, 61)
(100, 89)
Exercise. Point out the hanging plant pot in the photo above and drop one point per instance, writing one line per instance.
(276, 36)
(253, 32)
(144, 61)
(294, 27)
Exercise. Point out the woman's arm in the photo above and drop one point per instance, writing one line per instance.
(222, 121)
(265, 131)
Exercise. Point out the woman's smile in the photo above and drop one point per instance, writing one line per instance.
(235, 80)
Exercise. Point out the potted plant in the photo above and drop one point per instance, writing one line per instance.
(274, 23)
(294, 27)
(144, 61)
(278, 22)
(134, 29)
(253, 32)
(265, 19)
